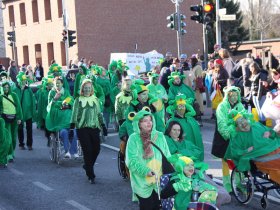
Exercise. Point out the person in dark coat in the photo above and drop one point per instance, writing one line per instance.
(167, 61)
(39, 72)
(13, 71)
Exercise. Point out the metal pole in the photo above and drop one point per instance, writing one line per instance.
(14, 52)
(218, 25)
(177, 8)
(66, 43)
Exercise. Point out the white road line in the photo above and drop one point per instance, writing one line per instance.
(110, 147)
(43, 186)
(113, 134)
(15, 171)
(77, 205)
(207, 142)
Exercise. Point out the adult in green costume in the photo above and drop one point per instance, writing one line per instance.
(123, 100)
(231, 101)
(5, 141)
(144, 160)
(182, 111)
(28, 106)
(249, 140)
(142, 100)
(10, 105)
(121, 71)
(175, 80)
(81, 75)
(55, 71)
(59, 107)
(189, 178)
(104, 82)
(47, 86)
(178, 144)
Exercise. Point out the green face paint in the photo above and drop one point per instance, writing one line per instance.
(243, 124)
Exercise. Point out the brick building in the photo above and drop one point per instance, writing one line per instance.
(103, 27)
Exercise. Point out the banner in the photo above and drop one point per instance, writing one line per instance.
(137, 62)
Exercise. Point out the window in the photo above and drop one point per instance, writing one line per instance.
(63, 54)
(38, 53)
(25, 55)
(35, 12)
(22, 14)
(59, 8)
(50, 53)
(48, 13)
(11, 15)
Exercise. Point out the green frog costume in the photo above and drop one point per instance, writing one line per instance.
(139, 166)
(11, 108)
(83, 72)
(241, 141)
(181, 88)
(5, 142)
(59, 111)
(55, 71)
(184, 184)
(190, 126)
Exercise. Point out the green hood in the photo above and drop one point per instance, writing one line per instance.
(139, 115)
(7, 83)
(226, 90)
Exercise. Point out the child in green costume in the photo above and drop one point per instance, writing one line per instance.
(5, 141)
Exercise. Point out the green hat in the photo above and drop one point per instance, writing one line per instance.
(113, 65)
(173, 75)
(139, 86)
(181, 99)
(122, 66)
(96, 70)
(55, 68)
(23, 77)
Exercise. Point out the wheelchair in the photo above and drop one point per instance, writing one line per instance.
(56, 151)
(244, 184)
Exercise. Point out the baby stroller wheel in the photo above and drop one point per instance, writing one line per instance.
(242, 186)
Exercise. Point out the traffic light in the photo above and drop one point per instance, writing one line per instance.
(71, 38)
(198, 17)
(173, 21)
(209, 15)
(64, 35)
(182, 24)
(11, 37)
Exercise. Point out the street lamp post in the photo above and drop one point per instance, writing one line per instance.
(177, 9)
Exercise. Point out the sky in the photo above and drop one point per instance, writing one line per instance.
(244, 4)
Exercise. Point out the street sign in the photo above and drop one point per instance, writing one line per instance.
(227, 17)
(223, 11)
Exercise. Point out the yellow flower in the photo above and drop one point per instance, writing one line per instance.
(23, 77)
(66, 100)
(55, 68)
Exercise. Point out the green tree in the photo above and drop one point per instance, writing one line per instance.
(232, 31)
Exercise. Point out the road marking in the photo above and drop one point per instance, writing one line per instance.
(113, 134)
(15, 171)
(207, 142)
(77, 205)
(43, 186)
(110, 147)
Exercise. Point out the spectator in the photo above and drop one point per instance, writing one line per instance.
(220, 75)
(29, 73)
(39, 71)
(13, 71)
(228, 63)
(167, 61)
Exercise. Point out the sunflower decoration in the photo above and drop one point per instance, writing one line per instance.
(47, 80)
(96, 70)
(22, 77)
(66, 103)
(180, 102)
(55, 70)
(122, 66)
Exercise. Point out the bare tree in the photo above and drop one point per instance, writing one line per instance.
(260, 17)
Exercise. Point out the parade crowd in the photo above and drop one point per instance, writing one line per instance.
(158, 116)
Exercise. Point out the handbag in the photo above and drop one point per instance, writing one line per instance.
(9, 118)
(199, 84)
(167, 167)
(218, 98)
